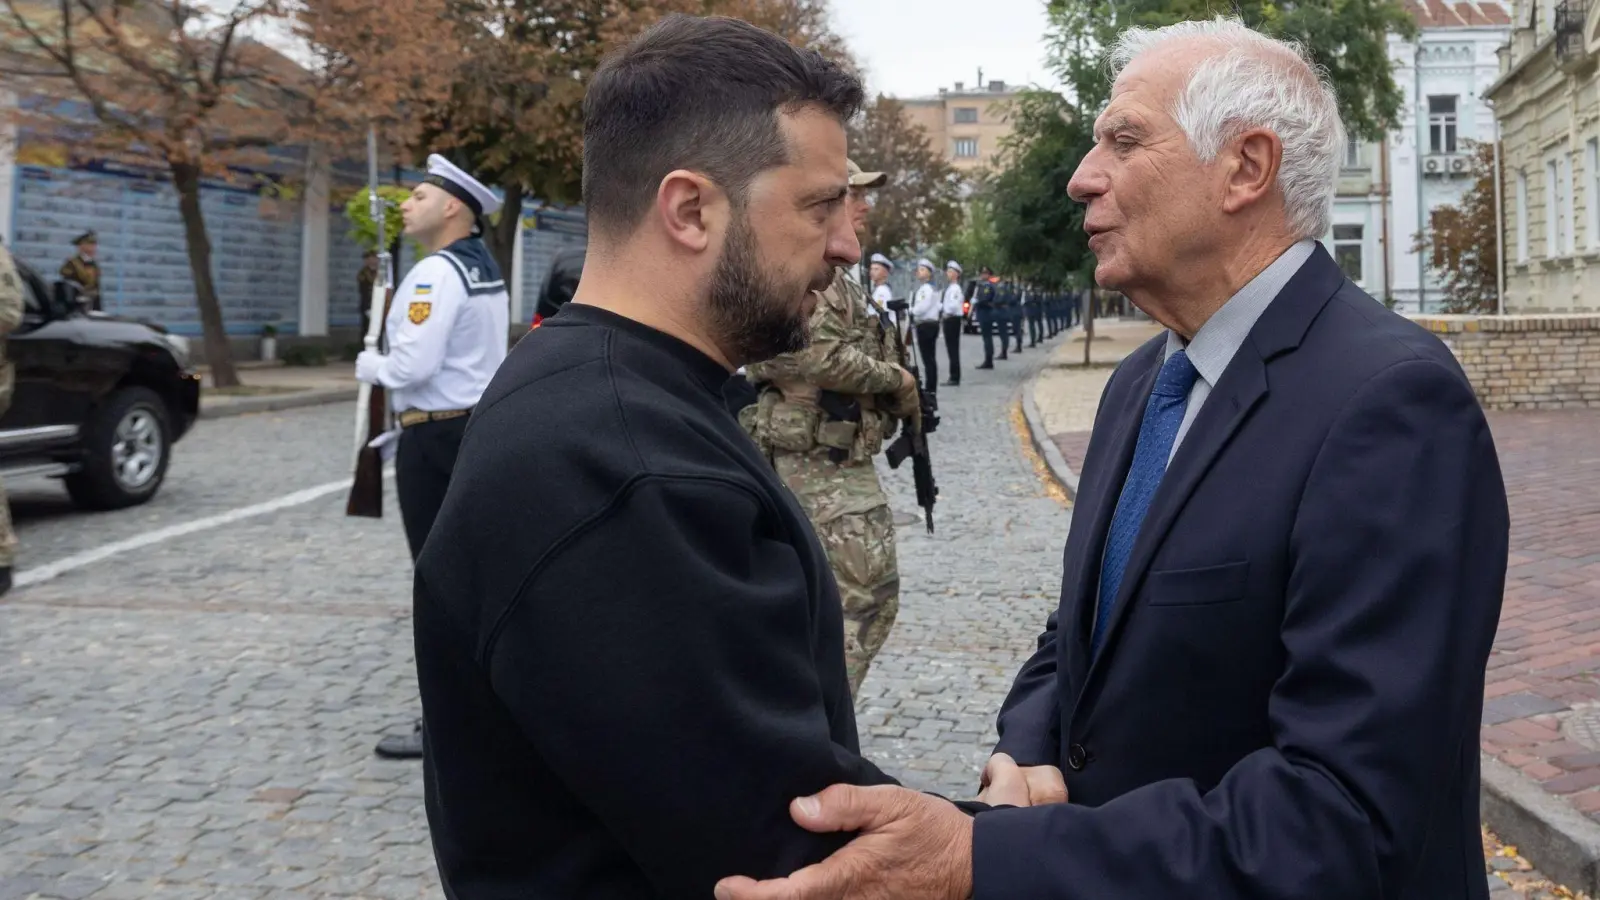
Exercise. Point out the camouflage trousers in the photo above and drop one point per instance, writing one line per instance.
(8, 536)
(850, 514)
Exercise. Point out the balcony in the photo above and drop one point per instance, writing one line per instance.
(1568, 28)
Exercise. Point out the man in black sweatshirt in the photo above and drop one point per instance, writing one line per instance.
(629, 643)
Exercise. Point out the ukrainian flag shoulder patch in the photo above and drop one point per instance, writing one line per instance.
(423, 290)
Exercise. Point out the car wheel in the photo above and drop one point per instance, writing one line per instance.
(126, 448)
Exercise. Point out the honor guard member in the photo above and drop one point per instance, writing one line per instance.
(823, 414)
(986, 310)
(1005, 303)
(953, 316)
(82, 269)
(1035, 308)
(881, 292)
(1011, 290)
(926, 309)
(447, 333)
(10, 318)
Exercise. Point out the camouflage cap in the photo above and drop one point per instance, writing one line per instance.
(859, 178)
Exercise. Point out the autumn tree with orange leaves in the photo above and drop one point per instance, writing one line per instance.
(193, 88)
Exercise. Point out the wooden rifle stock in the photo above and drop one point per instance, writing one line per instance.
(366, 490)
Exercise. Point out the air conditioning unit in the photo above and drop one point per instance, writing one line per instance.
(1431, 165)
(1459, 164)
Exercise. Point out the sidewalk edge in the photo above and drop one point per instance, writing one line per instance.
(1561, 842)
(1043, 445)
(246, 405)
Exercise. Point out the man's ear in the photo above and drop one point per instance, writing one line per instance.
(1252, 168)
(691, 208)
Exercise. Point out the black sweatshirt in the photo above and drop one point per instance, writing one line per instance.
(629, 643)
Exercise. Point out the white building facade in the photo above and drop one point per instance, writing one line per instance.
(1388, 192)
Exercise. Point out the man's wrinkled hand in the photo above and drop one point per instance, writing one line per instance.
(1005, 783)
(911, 846)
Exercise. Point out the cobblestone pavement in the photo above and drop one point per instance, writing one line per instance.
(195, 718)
(1542, 712)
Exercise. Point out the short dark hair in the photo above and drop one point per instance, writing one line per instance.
(701, 94)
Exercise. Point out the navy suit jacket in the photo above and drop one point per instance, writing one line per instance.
(1288, 698)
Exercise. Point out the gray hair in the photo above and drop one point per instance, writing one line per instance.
(1256, 82)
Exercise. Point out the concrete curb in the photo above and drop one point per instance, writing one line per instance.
(1561, 842)
(273, 403)
(1042, 444)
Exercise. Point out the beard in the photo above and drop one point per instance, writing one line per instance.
(755, 316)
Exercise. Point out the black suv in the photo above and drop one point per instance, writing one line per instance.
(99, 400)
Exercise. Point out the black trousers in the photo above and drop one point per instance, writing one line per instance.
(952, 346)
(928, 343)
(422, 467)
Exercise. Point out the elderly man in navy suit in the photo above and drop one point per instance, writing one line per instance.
(1286, 563)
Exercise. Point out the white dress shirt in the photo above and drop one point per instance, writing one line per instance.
(925, 305)
(954, 298)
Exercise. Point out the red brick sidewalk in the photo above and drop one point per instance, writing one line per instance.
(1544, 673)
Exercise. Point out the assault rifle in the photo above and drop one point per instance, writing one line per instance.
(372, 405)
(913, 440)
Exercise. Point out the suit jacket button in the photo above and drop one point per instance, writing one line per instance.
(1077, 757)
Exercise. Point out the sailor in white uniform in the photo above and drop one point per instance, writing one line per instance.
(954, 309)
(926, 310)
(447, 332)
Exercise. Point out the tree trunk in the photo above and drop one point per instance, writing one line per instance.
(502, 235)
(219, 353)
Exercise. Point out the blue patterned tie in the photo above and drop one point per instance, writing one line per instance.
(1162, 416)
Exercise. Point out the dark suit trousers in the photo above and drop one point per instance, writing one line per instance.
(422, 467)
(952, 346)
(928, 343)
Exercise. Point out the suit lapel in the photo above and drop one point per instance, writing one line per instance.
(1081, 568)
(1242, 386)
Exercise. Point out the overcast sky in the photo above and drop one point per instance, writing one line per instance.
(944, 41)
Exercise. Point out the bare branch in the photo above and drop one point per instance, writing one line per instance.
(130, 56)
(66, 58)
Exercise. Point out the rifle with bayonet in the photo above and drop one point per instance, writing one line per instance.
(913, 439)
(372, 402)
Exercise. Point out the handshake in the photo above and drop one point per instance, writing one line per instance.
(908, 845)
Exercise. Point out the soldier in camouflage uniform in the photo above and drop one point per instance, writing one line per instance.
(10, 318)
(823, 413)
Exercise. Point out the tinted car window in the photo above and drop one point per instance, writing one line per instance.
(33, 293)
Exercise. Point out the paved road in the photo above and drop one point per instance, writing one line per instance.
(195, 717)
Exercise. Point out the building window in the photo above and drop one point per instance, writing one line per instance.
(1352, 154)
(1569, 218)
(1442, 124)
(1591, 171)
(1522, 216)
(966, 115)
(966, 148)
(1347, 250)
(1557, 208)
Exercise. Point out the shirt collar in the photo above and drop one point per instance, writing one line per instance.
(1222, 335)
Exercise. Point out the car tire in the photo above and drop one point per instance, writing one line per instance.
(127, 445)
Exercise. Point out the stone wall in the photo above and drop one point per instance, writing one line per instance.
(1526, 362)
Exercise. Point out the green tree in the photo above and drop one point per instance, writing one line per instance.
(920, 207)
(977, 242)
(1462, 244)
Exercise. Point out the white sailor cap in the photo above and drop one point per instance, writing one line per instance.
(446, 176)
(882, 260)
(952, 264)
(925, 264)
